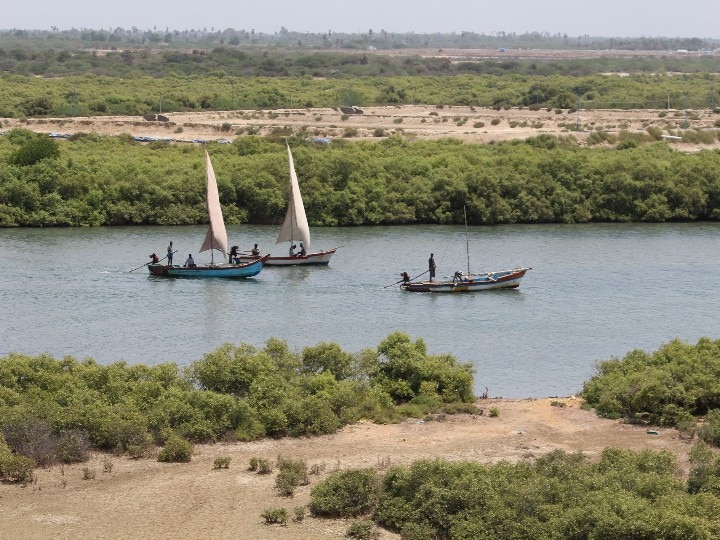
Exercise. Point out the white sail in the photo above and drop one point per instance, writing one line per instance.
(295, 227)
(216, 237)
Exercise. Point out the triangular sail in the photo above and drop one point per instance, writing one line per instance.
(216, 237)
(295, 227)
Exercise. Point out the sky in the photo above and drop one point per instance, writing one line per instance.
(606, 18)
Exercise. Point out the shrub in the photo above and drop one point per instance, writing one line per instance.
(362, 530)
(292, 473)
(16, 469)
(494, 412)
(72, 446)
(88, 473)
(176, 450)
(299, 513)
(345, 494)
(495, 121)
(479, 125)
(222, 462)
(275, 515)
(709, 431)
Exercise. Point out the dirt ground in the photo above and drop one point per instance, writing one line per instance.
(414, 121)
(145, 499)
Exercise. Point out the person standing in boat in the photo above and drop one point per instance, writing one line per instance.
(431, 267)
(170, 253)
(233, 255)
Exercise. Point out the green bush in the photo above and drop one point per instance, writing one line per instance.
(345, 494)
(176, 450)
(222, 462)
(362, 530)
(670, 385)
(275, 515)
(292, 473)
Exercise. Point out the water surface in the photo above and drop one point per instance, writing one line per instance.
(595, 291)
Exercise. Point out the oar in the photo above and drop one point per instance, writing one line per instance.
(413, 279)
(147, 263)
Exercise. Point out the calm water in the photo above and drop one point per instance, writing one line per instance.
(595, 291)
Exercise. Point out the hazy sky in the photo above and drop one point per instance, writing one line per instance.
(609, 18)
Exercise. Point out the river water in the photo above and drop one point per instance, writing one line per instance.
(595, 291)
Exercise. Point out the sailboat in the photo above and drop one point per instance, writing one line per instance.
(469, 282)
(215, 240)
(295, 229)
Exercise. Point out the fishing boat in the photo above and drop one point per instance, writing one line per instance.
(295, 229)
(215, 240)
(461, 282)
(469, 282)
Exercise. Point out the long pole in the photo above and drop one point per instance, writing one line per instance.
(411, 279)
(146, 264)
(467, 242)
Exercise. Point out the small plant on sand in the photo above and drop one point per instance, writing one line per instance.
(107, 465)
(299, 513)
(88, 473)
(275, 515)
(222, 462)
(261, 465)
(494, 412)
(556, 403)
(495, 121)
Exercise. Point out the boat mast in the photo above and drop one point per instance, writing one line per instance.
(467, 243)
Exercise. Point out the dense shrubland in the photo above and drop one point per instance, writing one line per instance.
(677, 385)
(558, 496)
(25, 96)
(93, 180)
(57, 410)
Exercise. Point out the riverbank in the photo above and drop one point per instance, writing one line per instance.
(148, 499)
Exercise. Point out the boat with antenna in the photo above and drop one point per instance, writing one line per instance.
(215, 240)
(295, 230)
(469, 282)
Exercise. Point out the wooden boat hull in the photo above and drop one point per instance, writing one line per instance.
(504, 279)
(243, 270)
(317, 258)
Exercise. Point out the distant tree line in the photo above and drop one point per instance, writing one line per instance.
(118, 37)
(307, 62)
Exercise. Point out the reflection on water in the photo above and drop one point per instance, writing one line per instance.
(595, 291)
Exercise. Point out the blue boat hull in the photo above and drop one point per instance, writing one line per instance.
(234, 271)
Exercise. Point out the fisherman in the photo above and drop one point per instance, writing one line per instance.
(406, 277)
(255, 251)
(302, 250)
(154, 258)
(190, 262)
(292, 250)
(431, 266)
(234, 255)
(170, 252)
